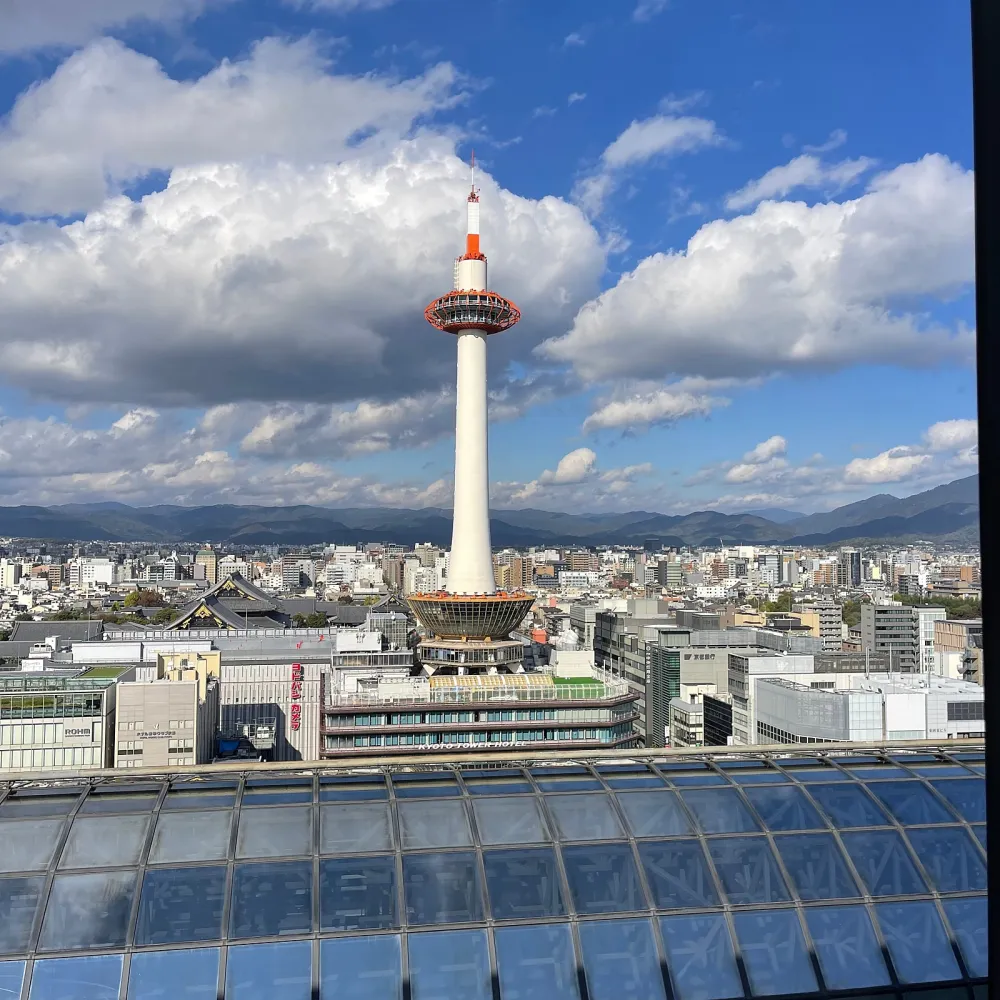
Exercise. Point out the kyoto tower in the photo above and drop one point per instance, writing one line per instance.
(469, 624)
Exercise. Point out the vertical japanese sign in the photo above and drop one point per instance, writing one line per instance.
(296, 712)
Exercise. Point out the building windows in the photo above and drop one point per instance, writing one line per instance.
(966, 711)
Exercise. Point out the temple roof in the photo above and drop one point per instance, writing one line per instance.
(237, 587)
(207, 611)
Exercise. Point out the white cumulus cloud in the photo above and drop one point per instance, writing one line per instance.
(637, 407)
(804, 171)
(952, 435)
(890, 466)
(572, 468)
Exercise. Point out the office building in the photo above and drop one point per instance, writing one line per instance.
(206, 557)
(892, 630)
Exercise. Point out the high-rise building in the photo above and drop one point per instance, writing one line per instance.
(472, 613)
(206, 557)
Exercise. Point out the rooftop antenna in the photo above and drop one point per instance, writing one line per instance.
(472, 163)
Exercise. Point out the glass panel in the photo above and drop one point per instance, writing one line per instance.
(536, 963)
(881, 771)
(204, 798)
(697, 780)
(980, 832)
(719, 810)
(87, 911)
(816, 866)
(785, 807)
(497, 787)
(107, 801)
(967, 795)
(433, 824)
(191, 836)
(11, 978)
(449, 965)
(584, 817)
(911, 802)
(102, 841)
(355, 826)
(968, 919)
(18, 902)
(655, 814)
(344, 792)
(819, 774)
(950, 858)
(942, 771)
(918, 945)
(625, 781)
(181, 905)
(883, 863)
(361, 968)
(759, 778)
(849, 954)
(96, 977)
(270, 793)
(269, 971)
(442, 888)
(620, 960)
(569, 784)
(848, 805)
(700, 957)
(603, 879)
(174, 975)
(510, 820)
(678, 874)
(774, 952)
(28, 845)
(748, 871)
(271, 899)
(357, 894)
(523, 883)
(23, 805)
(274, 833)
(425, 789)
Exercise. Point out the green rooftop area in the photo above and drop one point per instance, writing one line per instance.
(102, 672)
(593, 681)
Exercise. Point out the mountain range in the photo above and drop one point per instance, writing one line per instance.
(948, 513)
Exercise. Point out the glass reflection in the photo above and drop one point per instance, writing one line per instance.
(911, 802)
(967, 795)
(361, 968)
(28, 845)
(523, 884)
(191, 836)
(181, 905)
(357, 894)
(774, 952)
(433, 824)
(968, 919)
(603, 879)
(620, 960)
(270, 971)
(355, 826)
(655, 814)
(449, 965)
(747, 870)
(536, 963)
(87, 911)
(513, 819)
(678, 874)
(174, 975)
(94, 977)
(848, 805)
(18, 902)
(849, 954)
(719, 810)
(883, 863)
(700, 957)
(274, 833)
(584, 817)
(271, 899)
(784, 807)
(442, 888)
(918, 945)
(950, 858)
(11, 978)
(816, 866)
(102, 841)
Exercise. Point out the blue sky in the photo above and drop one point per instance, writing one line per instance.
(741, 236)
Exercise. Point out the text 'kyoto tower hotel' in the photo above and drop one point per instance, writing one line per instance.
(469, 624)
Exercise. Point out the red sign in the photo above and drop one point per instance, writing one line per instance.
(296, 712)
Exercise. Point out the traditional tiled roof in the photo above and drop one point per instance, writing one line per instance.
(207, 612)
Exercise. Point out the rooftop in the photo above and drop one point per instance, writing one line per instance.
(615, 876)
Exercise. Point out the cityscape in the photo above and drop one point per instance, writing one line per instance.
(301, 697)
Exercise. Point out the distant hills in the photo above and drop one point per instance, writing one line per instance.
(948, 513)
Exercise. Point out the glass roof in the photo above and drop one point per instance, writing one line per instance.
(641, 880)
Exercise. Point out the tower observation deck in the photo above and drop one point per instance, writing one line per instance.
(472, 610)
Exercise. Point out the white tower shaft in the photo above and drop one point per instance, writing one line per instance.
(470, 568)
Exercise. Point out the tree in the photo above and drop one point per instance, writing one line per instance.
(783, 603)
(24, 617)
(956, 607)
(164, 616)
(852, 613)
(144, 599)
(345, 599)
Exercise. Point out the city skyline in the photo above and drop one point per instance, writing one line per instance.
(218, 300)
